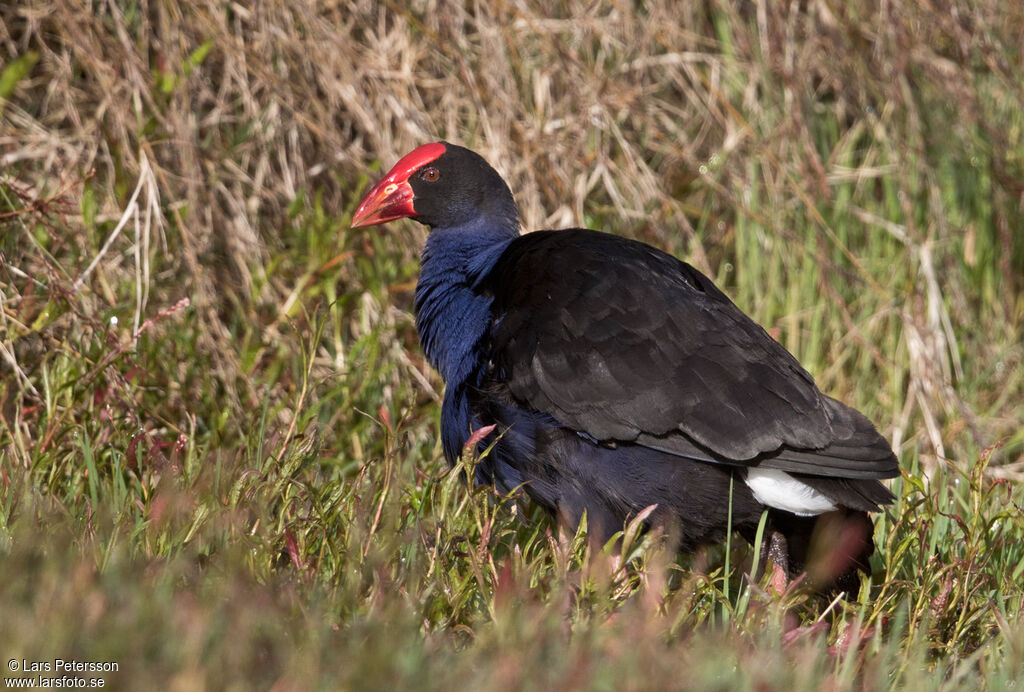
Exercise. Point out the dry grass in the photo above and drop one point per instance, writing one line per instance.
(671, 124)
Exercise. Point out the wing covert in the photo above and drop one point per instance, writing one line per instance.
(625, 343)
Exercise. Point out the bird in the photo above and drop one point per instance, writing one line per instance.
(606, 378)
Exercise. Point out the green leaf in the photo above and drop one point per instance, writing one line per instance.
(15, 72)
(196, 57)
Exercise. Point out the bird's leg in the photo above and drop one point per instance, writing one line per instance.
(778, 552)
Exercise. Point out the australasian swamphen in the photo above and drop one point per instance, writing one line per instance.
(619, 377)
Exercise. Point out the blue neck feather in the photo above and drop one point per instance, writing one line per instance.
(452, 317)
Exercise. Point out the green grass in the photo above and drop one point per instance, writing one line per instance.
(246, 489)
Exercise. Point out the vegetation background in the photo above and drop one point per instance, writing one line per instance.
(219, 463)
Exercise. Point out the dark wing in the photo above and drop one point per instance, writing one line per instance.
(622, 342)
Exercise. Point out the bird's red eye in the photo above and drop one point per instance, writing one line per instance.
(431, 174)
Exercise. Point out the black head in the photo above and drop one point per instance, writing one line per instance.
(441, 185)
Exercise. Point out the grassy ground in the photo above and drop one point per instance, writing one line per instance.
(219, 464)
